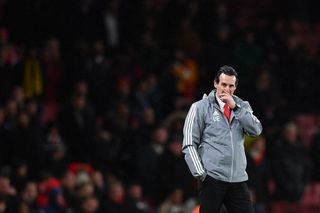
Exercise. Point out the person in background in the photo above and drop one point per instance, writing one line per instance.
(173, 203)
(258, 169)
(135, 200)
(289, 165)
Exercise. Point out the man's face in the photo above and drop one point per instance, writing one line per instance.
(227, 84)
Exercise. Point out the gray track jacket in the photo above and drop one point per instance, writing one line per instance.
(214, 147)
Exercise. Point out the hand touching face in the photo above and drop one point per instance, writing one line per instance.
(225, 89)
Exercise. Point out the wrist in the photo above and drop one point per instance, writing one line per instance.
(232, 105)
(235, 108)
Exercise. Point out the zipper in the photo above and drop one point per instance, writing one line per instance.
(232, 148)
(232, 156)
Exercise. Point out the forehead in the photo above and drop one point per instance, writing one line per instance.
(227, 79)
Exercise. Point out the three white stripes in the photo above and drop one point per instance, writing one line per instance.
(188, 141)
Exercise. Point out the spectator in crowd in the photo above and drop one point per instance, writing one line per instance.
(11, 116)
(99, 78)
(83, 190)
(98, 182)
(258, 170)
(27, 198)
(31, 74)
(90, 205)
(248, 56)
(56, 159)
(3, 205)
(77, 126)
(173, 203)
(27, 144)
(135, 201)
(115, 200)
(186, 71)
(51, 60)
(68, 184)
(149, 158)
(20, 174)
(18, 95)
(6, 189)
(173, 171)
(8, 59)
(289, 166)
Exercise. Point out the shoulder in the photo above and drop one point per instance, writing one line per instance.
(243, 103)
(203, 103)
(199, 107)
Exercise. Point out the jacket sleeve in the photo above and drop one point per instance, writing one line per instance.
(192, 130)
(248, 120)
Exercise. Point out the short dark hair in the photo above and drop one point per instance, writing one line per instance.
(227, 70)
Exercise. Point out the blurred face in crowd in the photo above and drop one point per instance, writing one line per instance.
(98, 47)
(291, 133)
(22, 170)
(177, 196)
(86, 189)
(260, 144)
(149, 116)
(223, 34)
(116, 192)
(90, 204)
(3, 206)
(69, 180)
(79, 102)
(11, 108)
(176, 148)
(258, 148)
(135, 191)
(32, 108)
(97, 179)
(4, 35)
(18, 94)
(161, 135)
(53, 48)
(226, 84)
(24, 119)
(30, 192)
(81, 88)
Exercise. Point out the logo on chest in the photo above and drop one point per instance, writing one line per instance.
(216, 116)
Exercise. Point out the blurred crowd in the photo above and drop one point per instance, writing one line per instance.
(94, 93)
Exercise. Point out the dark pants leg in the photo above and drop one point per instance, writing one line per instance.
(212, 193)
(237, 199)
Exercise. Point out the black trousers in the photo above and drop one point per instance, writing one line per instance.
(234, 196)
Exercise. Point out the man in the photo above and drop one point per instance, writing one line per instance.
(213, 145)
(289, 166)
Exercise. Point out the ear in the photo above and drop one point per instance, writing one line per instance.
(215, 84)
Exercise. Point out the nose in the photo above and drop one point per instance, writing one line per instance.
(227, 90)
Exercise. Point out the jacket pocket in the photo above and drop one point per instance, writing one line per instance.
(217, 160)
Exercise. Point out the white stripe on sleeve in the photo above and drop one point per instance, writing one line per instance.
(188, 139)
